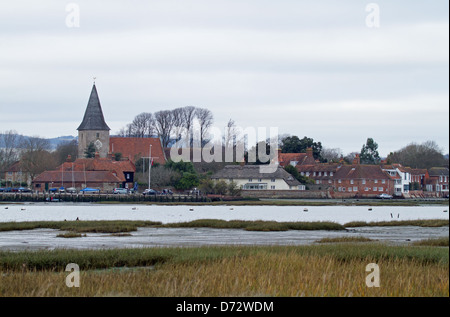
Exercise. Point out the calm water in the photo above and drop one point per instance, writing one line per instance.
(151, 237)
(169, 214)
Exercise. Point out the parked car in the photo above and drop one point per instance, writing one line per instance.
(2, 190)
(166, 192)
(120, 191)
(24, 190)
(384, 196)
(150, 192)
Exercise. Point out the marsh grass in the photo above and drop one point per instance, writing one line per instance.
(344, 239)
(419, 223)
(258, 225)
(321, 270)
(70, 235)
(437, 242)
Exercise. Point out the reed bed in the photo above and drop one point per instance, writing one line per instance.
(324, 270)
(437, 242)
(344, 239)
(258, 225)
(419, 223)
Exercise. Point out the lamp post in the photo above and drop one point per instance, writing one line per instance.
(149, 165)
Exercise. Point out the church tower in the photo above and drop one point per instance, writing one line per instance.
(93, 128)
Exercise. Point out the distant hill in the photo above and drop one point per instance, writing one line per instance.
(54, 142)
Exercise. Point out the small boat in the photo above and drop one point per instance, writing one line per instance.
(444, 210)
(231, 208)
(305, 209)
(191, 209)
(370, 209)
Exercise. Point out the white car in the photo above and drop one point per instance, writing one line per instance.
(384, 196)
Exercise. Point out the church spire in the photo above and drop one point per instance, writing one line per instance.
(93, 117)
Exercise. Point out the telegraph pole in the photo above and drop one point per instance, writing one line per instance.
(149, 165)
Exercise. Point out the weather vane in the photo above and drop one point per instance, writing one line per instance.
(95, 79)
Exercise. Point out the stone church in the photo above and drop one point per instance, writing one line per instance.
(93, 128)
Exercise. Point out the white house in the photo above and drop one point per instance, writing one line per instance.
(249, 177)
(401, 176)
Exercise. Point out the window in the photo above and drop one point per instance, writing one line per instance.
(339, 189)
(366, 189)
(273, 180)
(351, 181)
(303, 174)
(314, 174)
(317, 181)
(320, 173)
(324, 173)
(355, 189)
(307, 173)
(259, 180)
(349, 189)
(380, 189)
(272, 187)
(339, 181)
(250, 180)
(375, 181)
(331, 173)
(363, 181)
(97, 135)
(374, 189)
(383, 181)
(329, 181)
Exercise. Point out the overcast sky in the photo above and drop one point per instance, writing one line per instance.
(312, 68)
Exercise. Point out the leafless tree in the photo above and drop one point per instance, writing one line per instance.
(178, 126)
(188, 119)
(164, 124)
(205, 119)
(36, 156)
(9, 152)
(142, 125)
(331, 154)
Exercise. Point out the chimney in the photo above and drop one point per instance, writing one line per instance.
(356, 160)
(309, 152)
(97, 155)
(242, 162)
(279, 155)
(69, 158)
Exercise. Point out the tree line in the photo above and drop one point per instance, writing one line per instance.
(170, 125)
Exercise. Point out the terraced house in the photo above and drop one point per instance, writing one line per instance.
(438, 181)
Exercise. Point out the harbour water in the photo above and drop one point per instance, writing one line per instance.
(157, 237)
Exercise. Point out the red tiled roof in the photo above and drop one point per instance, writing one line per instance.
(99, 164)
(77, 177)
(135, 148)
(357, 171)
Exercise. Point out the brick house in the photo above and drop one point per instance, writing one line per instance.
(97, 172)
(438, 181)
(14, 174)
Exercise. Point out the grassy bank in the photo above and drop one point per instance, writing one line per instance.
(75, 228)
(321, 270)
(419, 223)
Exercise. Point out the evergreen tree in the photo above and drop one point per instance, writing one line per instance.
(90, 151)
(369, 152)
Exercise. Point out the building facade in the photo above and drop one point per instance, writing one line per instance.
(93, 129)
